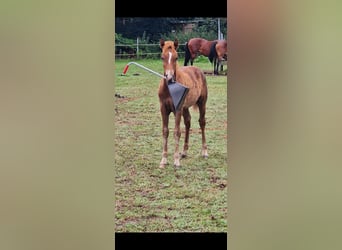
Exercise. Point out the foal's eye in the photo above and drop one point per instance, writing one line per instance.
(162, 57)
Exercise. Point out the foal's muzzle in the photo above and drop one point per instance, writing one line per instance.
(170, 77)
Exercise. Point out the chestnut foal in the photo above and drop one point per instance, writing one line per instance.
(192, 78)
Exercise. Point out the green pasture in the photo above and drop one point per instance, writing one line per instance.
(192, 198)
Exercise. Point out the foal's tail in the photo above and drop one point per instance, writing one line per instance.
(212, 53)
(187, 55)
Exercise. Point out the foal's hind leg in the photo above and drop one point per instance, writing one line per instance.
(187, 123)
(202, 123)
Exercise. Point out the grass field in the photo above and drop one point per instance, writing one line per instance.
(147, 198)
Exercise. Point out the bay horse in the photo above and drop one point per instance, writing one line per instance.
(195, 47)
(194, 79)
(218, 54)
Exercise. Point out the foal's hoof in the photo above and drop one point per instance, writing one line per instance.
(204, 153)
(163, 162)
(205, 156)
(163, 165)
(176, 164)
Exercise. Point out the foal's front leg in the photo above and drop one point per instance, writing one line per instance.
(177, 135)
(165, 131)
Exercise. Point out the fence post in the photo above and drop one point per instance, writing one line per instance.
(137, 47)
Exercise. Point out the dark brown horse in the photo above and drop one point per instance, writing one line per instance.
(195, 47)
(218, 54)
(194, 80)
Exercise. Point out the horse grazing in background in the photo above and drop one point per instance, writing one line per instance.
(218, 54)
(195, 47)
(194, 79)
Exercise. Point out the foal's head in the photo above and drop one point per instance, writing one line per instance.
(169, 57)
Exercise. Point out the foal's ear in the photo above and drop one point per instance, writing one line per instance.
(175, 43)
(161, 43)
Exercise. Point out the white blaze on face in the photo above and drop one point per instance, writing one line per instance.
(170, 56)
(169, 72)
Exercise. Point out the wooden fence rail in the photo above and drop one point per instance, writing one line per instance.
(136, 51)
